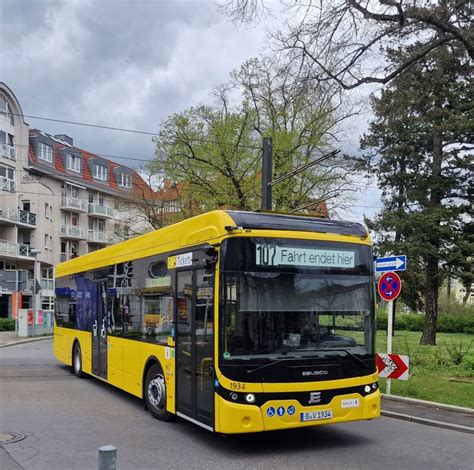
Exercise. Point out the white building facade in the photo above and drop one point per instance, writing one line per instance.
(56, 202)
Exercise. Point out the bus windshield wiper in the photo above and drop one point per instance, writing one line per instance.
(358, 359)
(250, 371)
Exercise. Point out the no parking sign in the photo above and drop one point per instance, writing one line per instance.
(389, 286)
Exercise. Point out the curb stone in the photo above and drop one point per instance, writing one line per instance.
(29, 340)
(429, 422)
(431, 404)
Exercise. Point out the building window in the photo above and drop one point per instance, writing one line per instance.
(91, 198)
(5, 109)
(125, 180)
(6, 138)
(101, 200)
(45, 152)
(100, 172)
(46, 210)
(46, 241)
(73, 163)
(7, 182)
(74, 220)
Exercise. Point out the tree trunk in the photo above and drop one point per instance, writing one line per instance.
(431, 302)
(467, 286)
(432, 260)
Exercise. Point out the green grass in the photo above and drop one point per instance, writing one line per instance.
(433, 374)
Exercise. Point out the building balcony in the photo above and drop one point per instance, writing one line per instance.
(97, 236)
(8, 151)
(101, 211)
(71, 231)
(10, 216)
(7, 184)
(15, 250)
(73, 204)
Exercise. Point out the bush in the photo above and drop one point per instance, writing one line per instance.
(457, 351)
(415, 322)
(7, 324)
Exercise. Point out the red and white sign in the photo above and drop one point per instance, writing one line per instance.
(392, 366)
(389, 286)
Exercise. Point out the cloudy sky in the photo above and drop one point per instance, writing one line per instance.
(123, 63)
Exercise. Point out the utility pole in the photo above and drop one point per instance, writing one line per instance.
(267, 167)
(268, 183)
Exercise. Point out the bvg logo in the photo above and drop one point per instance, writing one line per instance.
(314, 397)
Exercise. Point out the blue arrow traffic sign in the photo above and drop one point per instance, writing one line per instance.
(391, 263)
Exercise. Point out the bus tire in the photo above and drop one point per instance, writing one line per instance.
(155, 393)
(77, 361)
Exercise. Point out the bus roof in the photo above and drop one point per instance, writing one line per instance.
(204, 228)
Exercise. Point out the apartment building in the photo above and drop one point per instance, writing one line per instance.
(57, 201)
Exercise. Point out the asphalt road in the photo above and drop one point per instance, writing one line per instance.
(66, 420)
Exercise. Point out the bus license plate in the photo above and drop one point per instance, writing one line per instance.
(316, 415)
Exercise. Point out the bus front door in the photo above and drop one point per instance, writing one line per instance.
(195, 346)
(99, 332)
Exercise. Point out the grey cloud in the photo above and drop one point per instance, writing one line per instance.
(120, 63)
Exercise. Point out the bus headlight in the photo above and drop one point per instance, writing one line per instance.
(250, 398)
(367, 389)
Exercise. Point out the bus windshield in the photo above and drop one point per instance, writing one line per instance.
(295, 298)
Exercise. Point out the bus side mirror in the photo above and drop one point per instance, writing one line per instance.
(211, 256)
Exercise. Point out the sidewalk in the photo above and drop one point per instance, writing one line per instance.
(430, 413)
(9, 337)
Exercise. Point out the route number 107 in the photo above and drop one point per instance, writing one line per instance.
(265, 255)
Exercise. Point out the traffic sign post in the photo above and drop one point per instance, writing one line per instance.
(389, 288)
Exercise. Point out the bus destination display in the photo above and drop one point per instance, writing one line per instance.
(275, 255)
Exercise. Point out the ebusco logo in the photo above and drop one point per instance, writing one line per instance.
(310, 373)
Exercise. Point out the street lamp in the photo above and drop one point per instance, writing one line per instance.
(35, 252)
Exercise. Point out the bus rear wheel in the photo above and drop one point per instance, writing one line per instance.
(77, 361)
(155, 393)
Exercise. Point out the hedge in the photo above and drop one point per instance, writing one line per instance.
(414, 322)
(7, 324)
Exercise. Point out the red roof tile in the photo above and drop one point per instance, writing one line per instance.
(140, 187)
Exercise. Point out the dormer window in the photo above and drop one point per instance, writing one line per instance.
(45, 152)
(73, 163)
(100, 172)
(125, 180)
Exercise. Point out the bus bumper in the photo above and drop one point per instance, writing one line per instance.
(235, 418)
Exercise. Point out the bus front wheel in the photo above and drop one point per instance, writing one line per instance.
(77, 361)
(155, 393)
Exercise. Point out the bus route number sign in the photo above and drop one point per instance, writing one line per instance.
(275, 255)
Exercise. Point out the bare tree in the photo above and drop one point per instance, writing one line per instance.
(348, 39)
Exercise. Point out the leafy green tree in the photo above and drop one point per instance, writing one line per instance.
(215, 151)
(419, 148)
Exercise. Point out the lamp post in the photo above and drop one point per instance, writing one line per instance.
(35, 252)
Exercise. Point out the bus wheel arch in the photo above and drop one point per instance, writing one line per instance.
(154, 390)
(76, 355)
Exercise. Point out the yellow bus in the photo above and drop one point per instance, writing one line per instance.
(237, 321)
